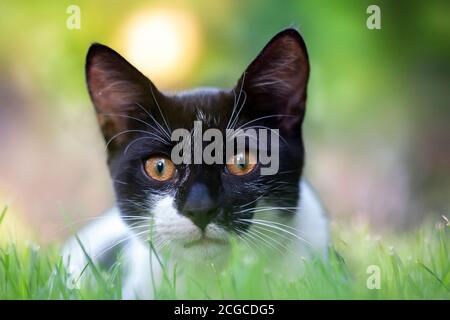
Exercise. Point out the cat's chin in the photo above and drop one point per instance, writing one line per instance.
(205, 242)
(205, 250)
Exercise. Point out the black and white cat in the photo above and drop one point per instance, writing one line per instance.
(193, 210)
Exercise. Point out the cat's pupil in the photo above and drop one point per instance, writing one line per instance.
(241, 163)
(160, 167)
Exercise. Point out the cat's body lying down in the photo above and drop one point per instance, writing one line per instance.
(189, 205)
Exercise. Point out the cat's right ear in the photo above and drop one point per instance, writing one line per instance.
(118, 90)
(275, 82)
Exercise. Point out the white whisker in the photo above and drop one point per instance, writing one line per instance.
(278, 228)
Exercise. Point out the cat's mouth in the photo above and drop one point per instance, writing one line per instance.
(205, 241)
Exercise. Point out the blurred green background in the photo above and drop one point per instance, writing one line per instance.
(377, 128)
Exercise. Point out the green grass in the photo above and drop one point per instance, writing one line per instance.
(412, 265)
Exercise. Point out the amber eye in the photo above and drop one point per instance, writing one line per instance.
(160, 168)
(242, 163)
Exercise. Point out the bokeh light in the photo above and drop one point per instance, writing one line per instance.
(163, 43)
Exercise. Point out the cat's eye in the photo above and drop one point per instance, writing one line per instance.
(160, 168)
(242, 163)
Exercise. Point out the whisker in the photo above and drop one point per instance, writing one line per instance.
(135, 216)
(236, 102)
(142, 138)
(289, 209)
(241, 237)
(279, 224)
(240, 109)
(278, 228)
(253, 201)
(120, 241)
(160, 112)
(167, 134)
(125, 132)
(79, 221)
(154, 120)
(121, 182)
(128, 117)
(266, 117)
(261, 235)
(254, 241)
(268, 230)
(261, 127)
(262, 209)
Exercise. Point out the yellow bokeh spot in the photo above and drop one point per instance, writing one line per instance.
(162, 43)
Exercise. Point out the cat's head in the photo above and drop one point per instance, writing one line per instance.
(196, 207)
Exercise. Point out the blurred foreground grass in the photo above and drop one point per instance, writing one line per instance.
(412, 265)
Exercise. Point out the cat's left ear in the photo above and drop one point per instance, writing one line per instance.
(275, 82)
(121, 94)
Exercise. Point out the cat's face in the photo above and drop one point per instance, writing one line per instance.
(193, 209)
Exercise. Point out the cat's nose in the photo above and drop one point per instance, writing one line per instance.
(201, 216)
(199, 207)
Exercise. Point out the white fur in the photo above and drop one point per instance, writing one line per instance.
(96, 238)
(309, 221)
(170, 226)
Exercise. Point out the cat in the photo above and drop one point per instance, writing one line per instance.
(193, 210)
